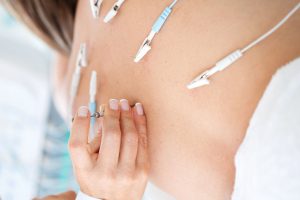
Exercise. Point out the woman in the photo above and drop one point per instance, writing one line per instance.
(193, 134)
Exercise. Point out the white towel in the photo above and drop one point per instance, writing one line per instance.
(268, 160)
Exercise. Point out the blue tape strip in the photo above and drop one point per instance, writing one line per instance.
(161, 20)
(93, 109)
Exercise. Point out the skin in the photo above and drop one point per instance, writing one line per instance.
(193, 134)
(115, 164)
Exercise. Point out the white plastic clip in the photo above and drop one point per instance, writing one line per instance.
(81, 62)
(145, 47)
(82, 56)
(93, 103)
(113, 11)
(202, 79)
(95, 7)
(157, 26)
(93, 87)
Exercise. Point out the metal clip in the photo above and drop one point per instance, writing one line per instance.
(95, 115)
(95, 7)
(145, 47)
(202, 79)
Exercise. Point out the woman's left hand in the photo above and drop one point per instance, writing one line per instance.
(115, 164)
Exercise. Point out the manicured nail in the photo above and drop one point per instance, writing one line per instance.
(114, 104)
(102, 110)
(83, 111)
(124, 104)
(139, 109)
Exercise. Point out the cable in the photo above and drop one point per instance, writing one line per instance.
(202, 79)
(173, 4)
(275, 28)
(157, 26)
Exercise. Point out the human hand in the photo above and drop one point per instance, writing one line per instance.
(114, 166)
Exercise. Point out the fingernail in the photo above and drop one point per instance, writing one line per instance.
(83, 111)
(114, 104)
(139, 109)
(124, 104)
(102, 110)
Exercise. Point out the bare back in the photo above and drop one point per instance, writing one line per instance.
(193, 134)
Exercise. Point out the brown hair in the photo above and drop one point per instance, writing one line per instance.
(52, 20)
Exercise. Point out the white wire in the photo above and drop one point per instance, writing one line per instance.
(267, 34)
(173, 4)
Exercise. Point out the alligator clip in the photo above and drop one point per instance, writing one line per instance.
(145, 47)
(82, 56)
(113, 11)
(95, 6)
(202, 79)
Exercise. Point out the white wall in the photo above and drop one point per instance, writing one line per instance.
(24, 98)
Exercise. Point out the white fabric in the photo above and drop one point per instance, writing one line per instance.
(268, 160)
(151, 193)
(154, 193)
(24, 104)
(82, 196)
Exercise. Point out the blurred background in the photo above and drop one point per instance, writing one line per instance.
(33, 138)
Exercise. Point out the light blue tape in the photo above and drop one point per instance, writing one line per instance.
(161, 20)
(93, 108)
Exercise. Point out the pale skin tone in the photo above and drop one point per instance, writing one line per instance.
(115, 164)
(193, 135)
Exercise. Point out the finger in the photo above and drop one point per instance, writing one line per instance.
(129, 141)
(94, 145)
(111, 136)
(79, 139)
(99, 121)
(142, 160)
